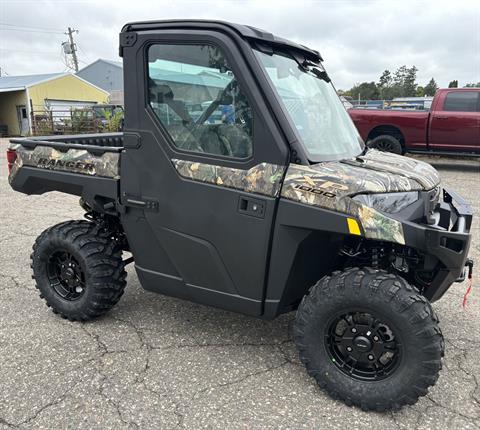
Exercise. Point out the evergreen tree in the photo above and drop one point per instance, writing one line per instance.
(409, 82)
(399, 81)
(431, 88)
(384, 84)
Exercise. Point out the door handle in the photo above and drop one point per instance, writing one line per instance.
(251, 206)
(141, 203)
(440, 117)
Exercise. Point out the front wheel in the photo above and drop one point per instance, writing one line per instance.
(369, 339)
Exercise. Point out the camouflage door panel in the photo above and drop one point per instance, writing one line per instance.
(264, 178)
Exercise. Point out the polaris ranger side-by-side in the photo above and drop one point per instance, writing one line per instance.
(241, 182)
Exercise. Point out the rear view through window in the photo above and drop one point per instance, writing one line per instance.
(195, 96)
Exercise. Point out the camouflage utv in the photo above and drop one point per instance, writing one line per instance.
(262, 199)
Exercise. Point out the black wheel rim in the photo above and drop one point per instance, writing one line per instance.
(384, 145)
(362, 346)
(66, 276)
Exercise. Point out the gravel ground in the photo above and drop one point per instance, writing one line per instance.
(159, 362)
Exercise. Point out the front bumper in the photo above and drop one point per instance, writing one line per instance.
(445, 243)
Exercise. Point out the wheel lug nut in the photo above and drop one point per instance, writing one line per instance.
(349, 348)
(375, 338)
(371, 357)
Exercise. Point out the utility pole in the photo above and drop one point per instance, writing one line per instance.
(73, 47)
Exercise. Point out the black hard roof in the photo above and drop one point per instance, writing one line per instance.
(245, 31)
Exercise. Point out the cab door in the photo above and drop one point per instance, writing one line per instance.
(455, 125)
(202, 169)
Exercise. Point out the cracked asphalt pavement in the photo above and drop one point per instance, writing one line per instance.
(158, 362)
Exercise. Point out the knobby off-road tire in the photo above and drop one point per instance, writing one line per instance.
(78, 269)
(403, 323)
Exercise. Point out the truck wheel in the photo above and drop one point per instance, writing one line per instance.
(369, 339)
(386, 143)
(78, 269)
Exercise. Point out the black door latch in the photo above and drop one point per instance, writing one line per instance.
(251, 206)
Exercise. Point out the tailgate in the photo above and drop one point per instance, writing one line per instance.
(82, 159)
(39, 166)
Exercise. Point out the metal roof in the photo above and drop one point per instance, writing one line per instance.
(17, 83)
(113, 63)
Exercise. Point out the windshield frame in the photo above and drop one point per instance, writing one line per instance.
(304, 63)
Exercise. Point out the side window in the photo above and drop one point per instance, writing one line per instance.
(462, 101)
(197, 99)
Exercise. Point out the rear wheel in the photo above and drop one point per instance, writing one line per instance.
(386, 143)
(369, 339)
(78, 269)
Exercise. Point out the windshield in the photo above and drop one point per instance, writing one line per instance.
(314, 108)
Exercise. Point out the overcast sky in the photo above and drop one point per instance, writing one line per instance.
(358, 39)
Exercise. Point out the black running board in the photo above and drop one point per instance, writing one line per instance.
(448, 153)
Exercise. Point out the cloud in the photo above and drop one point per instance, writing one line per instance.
(358, 40)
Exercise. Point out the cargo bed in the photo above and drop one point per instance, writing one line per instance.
(83, 165)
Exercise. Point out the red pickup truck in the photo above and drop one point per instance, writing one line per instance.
(451, 126)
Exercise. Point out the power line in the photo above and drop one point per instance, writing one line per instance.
(29, 26)
(29, 52)
(69, 48)
(29, 31)
(84, 54)
(15, 27)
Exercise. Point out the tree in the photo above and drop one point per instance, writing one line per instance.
(399, 76)
(472, 85)
(386, 79)
(420, 92)
(409, 82)
(453, 84)
(384, 84)
(404, 82)
(431, 88)
(365, 91)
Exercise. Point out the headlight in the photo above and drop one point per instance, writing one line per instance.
(389, 202)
